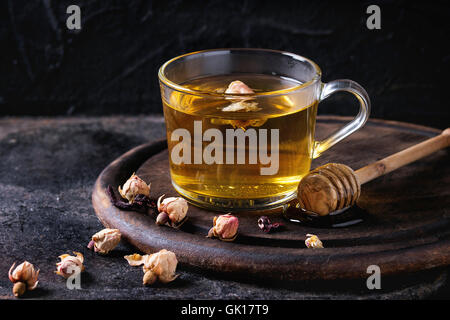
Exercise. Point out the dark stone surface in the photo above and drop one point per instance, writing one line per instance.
(110, 66)
(47, 171)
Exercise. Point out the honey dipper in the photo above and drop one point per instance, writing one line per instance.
(335, 186)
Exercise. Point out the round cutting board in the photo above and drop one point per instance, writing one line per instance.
(404, 216)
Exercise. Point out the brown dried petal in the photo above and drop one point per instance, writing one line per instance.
(141, 203)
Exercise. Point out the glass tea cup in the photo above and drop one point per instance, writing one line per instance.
(231, 151)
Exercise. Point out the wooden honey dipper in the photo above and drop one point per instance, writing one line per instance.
(335, 186)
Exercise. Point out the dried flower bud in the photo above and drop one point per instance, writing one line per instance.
(313, 242)
(175, 207)
(19, 289)
(105, 240)
(70, 265)
(241, 103)
(225, 227)
(266, 225)
(162, 264)
(134, 186)
(25, 273)
(136, 259)
(238, 87)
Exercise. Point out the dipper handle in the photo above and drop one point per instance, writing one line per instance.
(404, 157)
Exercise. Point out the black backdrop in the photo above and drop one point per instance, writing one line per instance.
(110, 66)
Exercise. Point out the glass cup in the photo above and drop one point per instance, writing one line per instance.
(232, 151)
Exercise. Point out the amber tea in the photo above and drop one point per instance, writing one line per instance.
(290, 116)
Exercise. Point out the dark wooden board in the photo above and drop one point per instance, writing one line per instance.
(405, 227)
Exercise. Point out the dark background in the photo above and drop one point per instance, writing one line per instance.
(110, 66)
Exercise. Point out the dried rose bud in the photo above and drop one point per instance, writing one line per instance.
(313, 242)
(266, 225)
(134, 186)
(161, 265)
(238, 87)
(70, 265)
(241, 103)
(225, 227)
(105, 240)
(24, 277)
(175, 207)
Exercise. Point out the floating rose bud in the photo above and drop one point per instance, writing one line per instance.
(313, 242)
(175, 208)
(162, 264)
(238, 87)
(225, 227)
(240, 104)
(105, 240)
(24, 277)
(133, 187)
(70, 265)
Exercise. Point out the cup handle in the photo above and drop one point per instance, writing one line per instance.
(352, 126)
